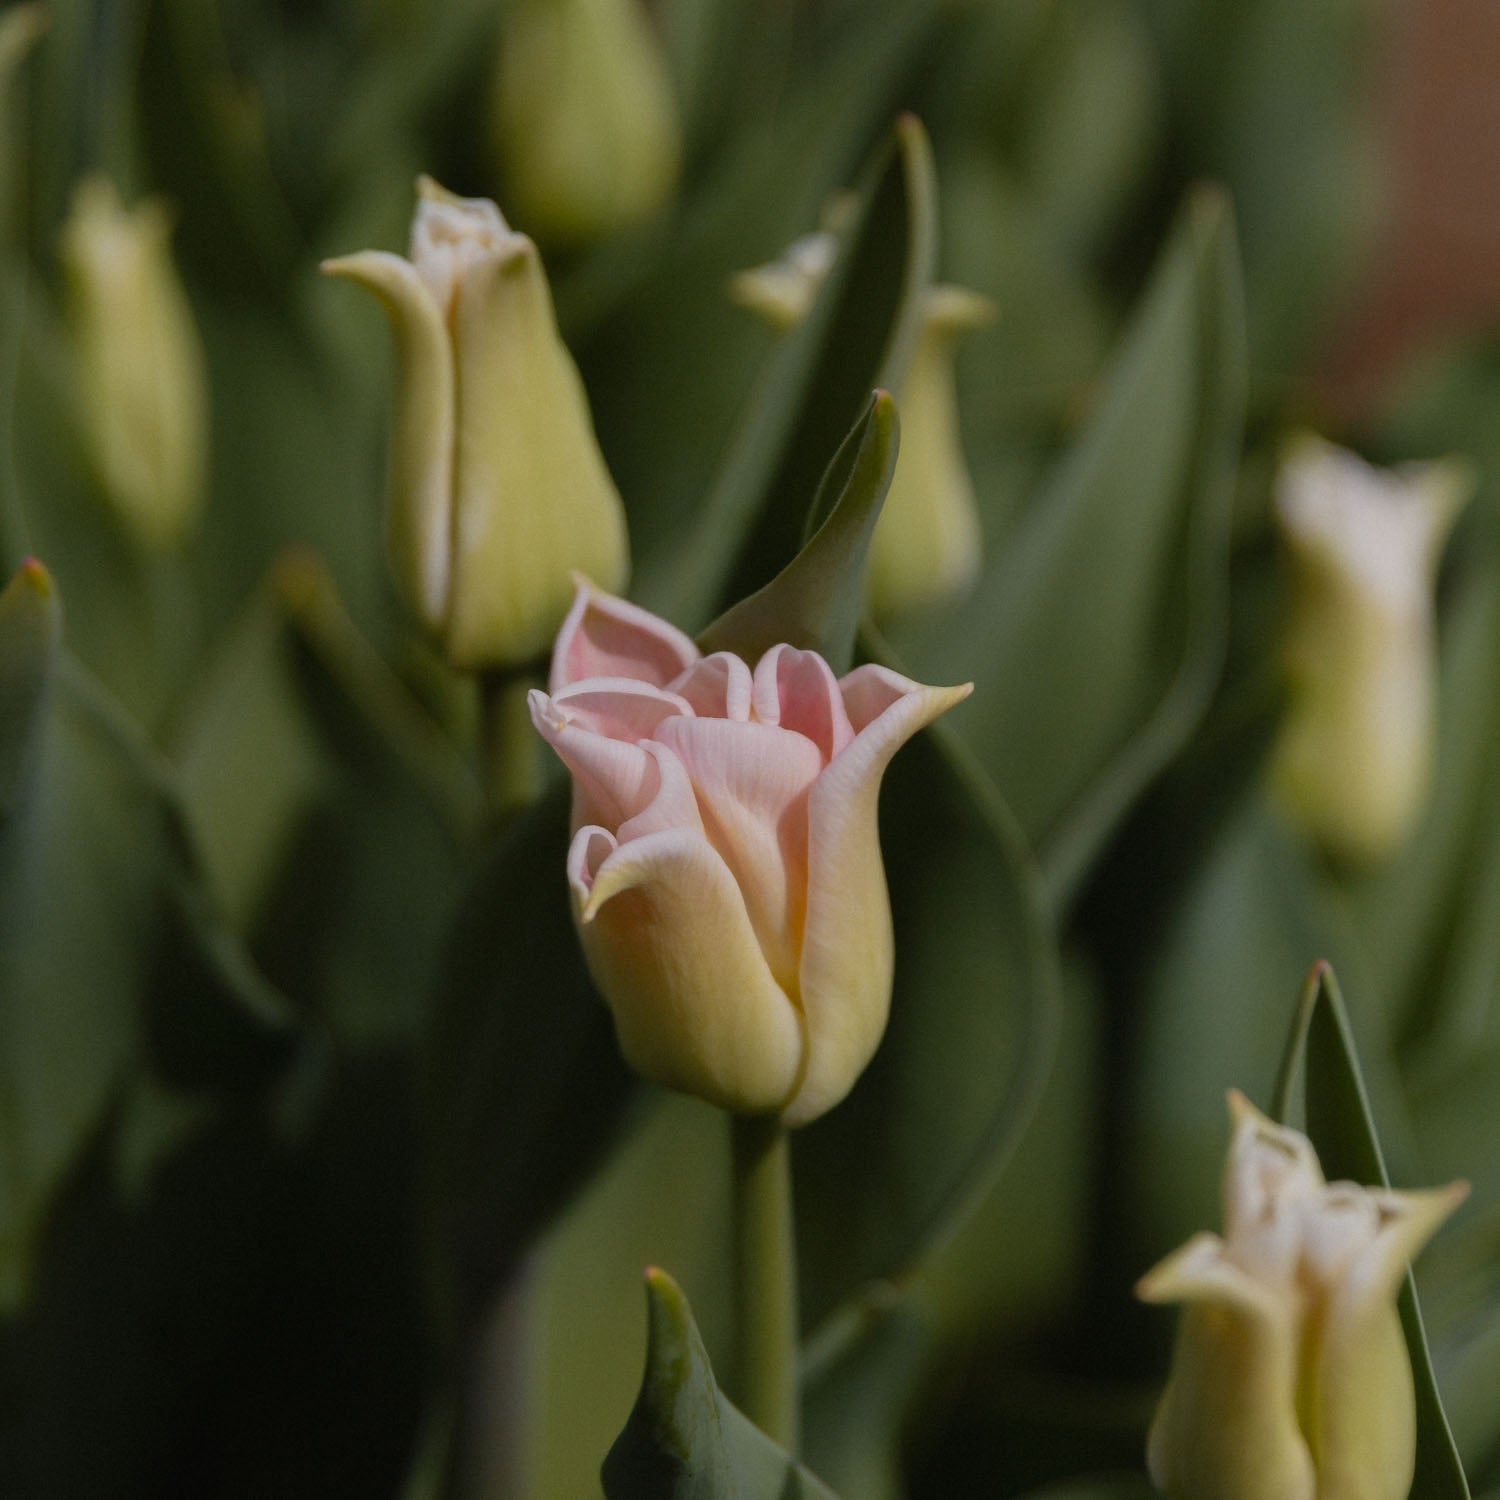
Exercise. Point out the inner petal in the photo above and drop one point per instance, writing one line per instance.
(798, 691)
(751, 782)
(613, 780)
(717, 686)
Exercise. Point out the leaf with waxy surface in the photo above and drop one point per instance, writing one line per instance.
(685, 1440)
(1135, 522)
(814, 602)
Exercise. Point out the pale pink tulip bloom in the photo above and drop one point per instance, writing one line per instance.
(725, 865)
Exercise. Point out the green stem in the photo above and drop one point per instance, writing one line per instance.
(510, 751)
(766, 1277)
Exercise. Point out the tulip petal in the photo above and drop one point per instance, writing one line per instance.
(717, 686)
(529, 480)
(797, 690)
(674, 804)
(613, 780)
(419, 517)
(1361, 1407)
(670, 944)
(847, 946)
(620, 707)
(752, 783)
(604, 636)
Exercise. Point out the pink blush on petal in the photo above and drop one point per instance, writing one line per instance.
(603, 636)
(798, 691)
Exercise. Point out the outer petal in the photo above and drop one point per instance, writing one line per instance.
(1226, 1428)
(613, 780)
(669, 943)
(751, 782)
(604, 636)
(532, 496)
(419, 516)
(797, 690)
(1362, 1409)
(847, 957)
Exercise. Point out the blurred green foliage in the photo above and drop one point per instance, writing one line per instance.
(320, 1173)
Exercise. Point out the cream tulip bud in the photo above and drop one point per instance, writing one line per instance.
(586, 123)
(927, 546)
(142, 387)
(498, 489)
(1352, 762)
(1290, 1379)
(725, 864)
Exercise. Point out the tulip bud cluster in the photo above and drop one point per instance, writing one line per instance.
(1291, 1379)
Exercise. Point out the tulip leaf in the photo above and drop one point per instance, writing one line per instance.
(858, 335)
(332, 810)
(889, 1174)
(1078, 706)
(1321, 1057)
(525, 1083)
(856, 1395)
(814, 602)
(117, 966)
(30, 630)
(684, 1439)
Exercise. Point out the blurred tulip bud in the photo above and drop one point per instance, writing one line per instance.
(1290, 1379)
(142, 386)
(498, 489)
(927, 545)
(1352, 762)
(586, 125)
(725, 864)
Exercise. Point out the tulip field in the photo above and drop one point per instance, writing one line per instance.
(749, 751)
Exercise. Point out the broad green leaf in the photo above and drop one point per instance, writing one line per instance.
(30, 630)
(814, 602)
(116, 961)
(525, 1085)
(685, 1440)
(1321, 1058)
(1094, 638)
(333, 811)
(855, 1400)
(661, 1198)
(856, 337)
(886, 1177)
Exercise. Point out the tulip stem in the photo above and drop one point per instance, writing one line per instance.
(766, 1277)
(509, 749)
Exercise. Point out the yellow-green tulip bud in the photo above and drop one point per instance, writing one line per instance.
(927, 545)
(498, 490)
(586, 123)
(1290, 1379)
(1352, 762)
(142, 386)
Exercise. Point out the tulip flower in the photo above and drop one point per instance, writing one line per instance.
(927, 545)
(1291, 1379)
(1352, 762)
(498, 489)
(725, 865)
(586, 124)
(142, 385)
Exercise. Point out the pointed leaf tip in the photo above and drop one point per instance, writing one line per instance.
(814, 602)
